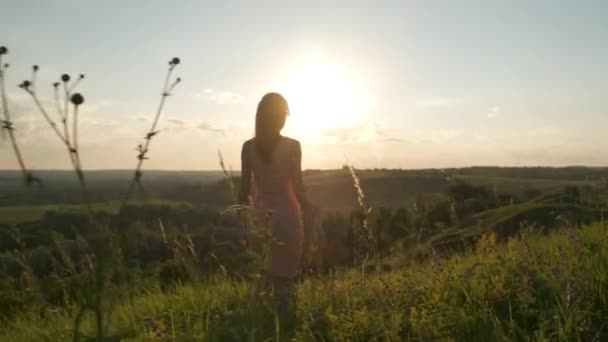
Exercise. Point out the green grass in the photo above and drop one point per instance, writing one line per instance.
(536, 287)
(27, 213)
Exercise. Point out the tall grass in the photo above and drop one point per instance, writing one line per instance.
(534, 287)
(366, 240)
(257, 239)
(229, 177)
(7, 123)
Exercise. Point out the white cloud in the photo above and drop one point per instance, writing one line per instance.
(494, 112)
(178, 125)
(177, 122)
(437, 102)
(442, 135)
(209, 128)
(219, 97)
(369, 132)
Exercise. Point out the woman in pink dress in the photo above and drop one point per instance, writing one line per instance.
(273, 163)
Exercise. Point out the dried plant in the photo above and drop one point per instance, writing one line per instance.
(7, 123)
(229, 176)
(143, 148)
(69, 139)
(367, 235)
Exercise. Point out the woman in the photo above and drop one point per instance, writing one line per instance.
(273, 162)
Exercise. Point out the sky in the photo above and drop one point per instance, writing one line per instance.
(375, 84)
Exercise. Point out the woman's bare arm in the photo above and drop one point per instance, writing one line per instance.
(245, 189)
(298, 183)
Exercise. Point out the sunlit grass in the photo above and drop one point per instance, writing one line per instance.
(542, 287)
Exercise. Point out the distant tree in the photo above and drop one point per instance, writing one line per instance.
(531, 193)
(461, 191)
(470, 199)
(572, 194)
(401, 223)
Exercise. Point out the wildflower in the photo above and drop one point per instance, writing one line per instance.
(35, 67)
(56, 84)
(77, 99)
(81, 76)
(3, 50)
(174, 61)
(25, 84)
(65, 78)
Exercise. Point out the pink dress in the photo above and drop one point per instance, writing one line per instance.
(275, 201)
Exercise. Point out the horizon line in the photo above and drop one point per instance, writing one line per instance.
(332, 169)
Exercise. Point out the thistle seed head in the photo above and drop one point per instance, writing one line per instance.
(77, 99)
(65, 78)
(174, 61)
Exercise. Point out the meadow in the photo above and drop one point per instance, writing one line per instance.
(534, 286)
(470, 270)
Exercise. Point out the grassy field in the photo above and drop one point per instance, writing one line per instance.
(494, 285)
(534, 287)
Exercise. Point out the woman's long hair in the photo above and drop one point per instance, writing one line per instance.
(269, 120)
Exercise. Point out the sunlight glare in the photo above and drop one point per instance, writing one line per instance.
(322, 95)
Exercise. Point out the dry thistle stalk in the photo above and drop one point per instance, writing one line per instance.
(228, 175)
(7, 124)
(143, 148)
(69, 139)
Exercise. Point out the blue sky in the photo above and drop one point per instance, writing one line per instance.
(375, 83)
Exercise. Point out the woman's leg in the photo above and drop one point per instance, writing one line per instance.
(285, 305)
(284, 294)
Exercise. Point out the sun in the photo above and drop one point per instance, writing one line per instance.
(322, 95)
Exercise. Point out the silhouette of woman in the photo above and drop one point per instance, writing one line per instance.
(273, 162)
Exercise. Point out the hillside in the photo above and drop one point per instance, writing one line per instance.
(328, 189)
